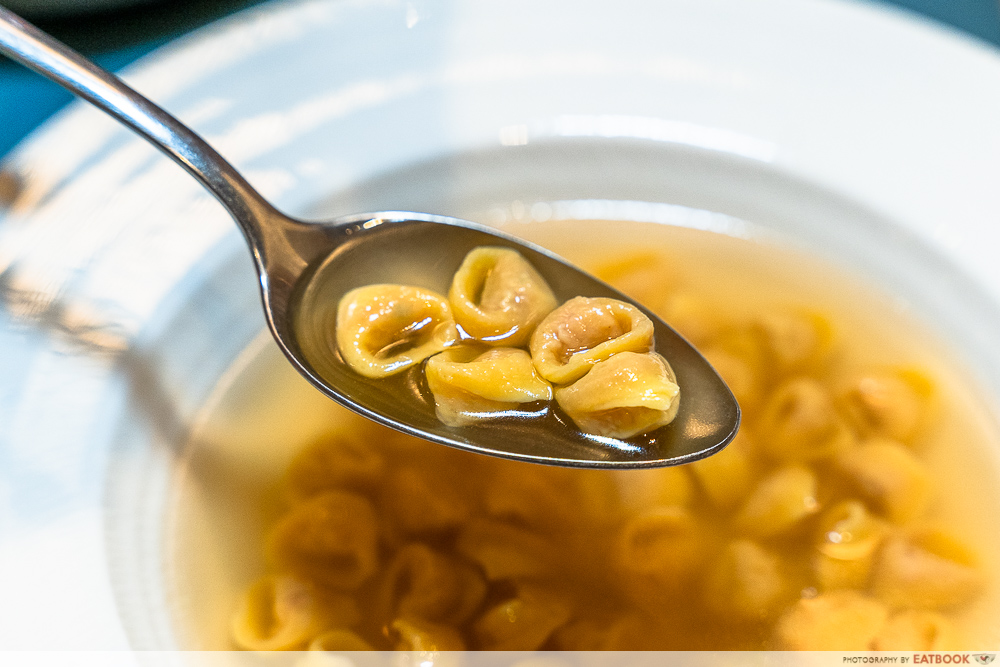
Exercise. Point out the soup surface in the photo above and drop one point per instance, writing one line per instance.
(857, 509)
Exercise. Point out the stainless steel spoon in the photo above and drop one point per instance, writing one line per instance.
(304, 267)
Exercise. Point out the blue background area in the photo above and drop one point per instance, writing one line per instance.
(114, 39)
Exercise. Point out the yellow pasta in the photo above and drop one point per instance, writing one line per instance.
(541, 499)
(640, 275)
(334, 462)
(889, 404)
(498, 297)
(422, 583)
(330, 538)
(926, 568)
(800, 423)
(522, 623)
(747, 582)
(917, 630)
(848, 531)
(339, 640)
(838, 621)
(779, 503)
(597, 499)
(662, 546)
(795, 342)
(739, 374)
(622, 631)
(642, 489)
(507, 552)
(412, 634)
(808, 532)
(889, 476)
(415, 503)
(848, 537)
(276, 613)
(584, 331)
(470, 385)
(693, 318)
(382, 330)
(625, 395)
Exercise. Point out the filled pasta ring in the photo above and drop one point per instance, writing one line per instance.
(470, 385)
(276, 613)
(584, 331)
(926, 568)
(624, 396)
(382, 330)
(498, 297)
(331, 538)
(747, 582)
(423, 583)
(841, 621)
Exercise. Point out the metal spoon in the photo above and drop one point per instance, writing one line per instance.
(305, 266)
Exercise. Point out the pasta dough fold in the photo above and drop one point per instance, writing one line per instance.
(624, 396)
(470, 385)
(584, 331)
(498, 297)
(382, 330)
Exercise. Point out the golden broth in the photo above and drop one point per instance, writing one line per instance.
(593, 573)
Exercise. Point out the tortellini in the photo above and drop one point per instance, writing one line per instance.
(672, 486)
(415, 634)
(916, 630)
(499, 342)
(847, 541)
(384, 329)
(276, 613)
(584, 331)
(889, 476)
(823, 525)
(747, 582)
(523, 622)
(726, 477)
(889, 404)
(624, 396)
(926, 568)
(339, 640)
(498, 297)
(780, 502)
(329, 538)
(422, 583)
(662, 547)
(505, 551)
(470, 385)
(800, 422)
(415, 504)
(794, 341)
(839, 621)
(334, 462)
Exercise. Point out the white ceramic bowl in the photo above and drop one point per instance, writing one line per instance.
(855, 133)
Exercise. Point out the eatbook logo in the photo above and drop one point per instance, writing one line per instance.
(984, 658)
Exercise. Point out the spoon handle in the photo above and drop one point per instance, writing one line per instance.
(46, 55)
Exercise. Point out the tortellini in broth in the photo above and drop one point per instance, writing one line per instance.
(624, 396)
(816, 529)
(470, 385)
(500, 343)
(382, 330)
(585, 331)
(498, 297)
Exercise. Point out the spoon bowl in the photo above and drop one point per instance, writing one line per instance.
(304, 268)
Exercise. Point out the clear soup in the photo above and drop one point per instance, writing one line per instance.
(858, 509)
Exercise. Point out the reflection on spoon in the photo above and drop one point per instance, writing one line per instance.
(306, 267)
